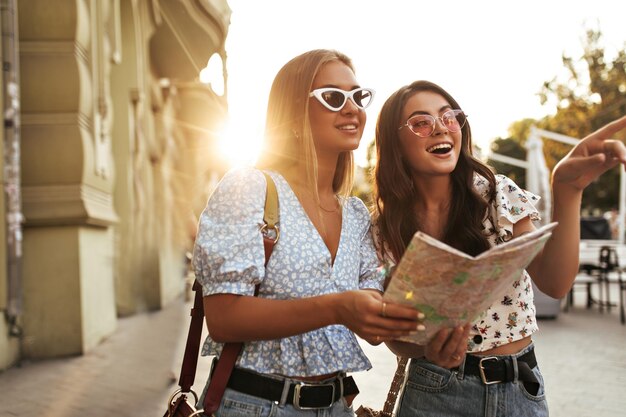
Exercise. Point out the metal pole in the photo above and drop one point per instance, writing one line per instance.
(622, 206)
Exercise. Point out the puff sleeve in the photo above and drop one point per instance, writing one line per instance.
(228, 252)
(512, 204)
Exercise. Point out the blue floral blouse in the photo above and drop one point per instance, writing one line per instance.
(229, 258)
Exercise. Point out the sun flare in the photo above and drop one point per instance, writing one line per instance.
(239, 144)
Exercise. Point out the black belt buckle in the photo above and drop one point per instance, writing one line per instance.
(481, 369)
(300, 388)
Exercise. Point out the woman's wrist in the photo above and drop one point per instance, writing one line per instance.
(332, 304)
(566, 197)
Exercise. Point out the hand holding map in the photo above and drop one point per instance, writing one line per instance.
(452, 288)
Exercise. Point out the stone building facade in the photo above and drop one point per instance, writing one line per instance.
(108, 157)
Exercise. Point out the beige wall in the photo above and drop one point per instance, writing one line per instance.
(97, 293)
(111, 177)
(129, 107)
(67, 176)
(69, 291)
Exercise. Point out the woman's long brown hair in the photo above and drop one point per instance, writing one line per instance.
(395, 196)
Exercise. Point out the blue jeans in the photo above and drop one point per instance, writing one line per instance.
(237, 404)
(432, 391)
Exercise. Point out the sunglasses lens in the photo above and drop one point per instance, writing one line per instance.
(334, 99)
(460, 118)
(362, 98)
(421, 125)
(453, 120)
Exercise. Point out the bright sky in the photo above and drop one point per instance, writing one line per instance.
(493, 57)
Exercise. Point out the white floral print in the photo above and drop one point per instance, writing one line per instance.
(512, 317)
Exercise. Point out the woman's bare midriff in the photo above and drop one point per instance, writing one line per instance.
(508, 349)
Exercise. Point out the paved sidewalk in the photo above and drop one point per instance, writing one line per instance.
(582, 354)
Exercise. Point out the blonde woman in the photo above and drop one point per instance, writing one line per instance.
(321, 285)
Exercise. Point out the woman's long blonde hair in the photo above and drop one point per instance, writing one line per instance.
(288, 135)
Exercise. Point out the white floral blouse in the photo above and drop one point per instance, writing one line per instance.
(512, 317)
(229, 258)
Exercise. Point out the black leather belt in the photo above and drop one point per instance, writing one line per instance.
(303, 395)
(497, 369)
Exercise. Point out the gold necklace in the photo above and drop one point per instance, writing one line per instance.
(335, 210)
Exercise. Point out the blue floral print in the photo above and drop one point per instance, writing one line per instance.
(229, 258)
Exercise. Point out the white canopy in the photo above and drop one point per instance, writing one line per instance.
(537, 175)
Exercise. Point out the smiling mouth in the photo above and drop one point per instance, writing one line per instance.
(348, 127)
(440, 148)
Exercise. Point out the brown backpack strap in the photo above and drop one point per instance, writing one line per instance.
(392, 395)
(190, 359)
(394, 389)
(231, 351)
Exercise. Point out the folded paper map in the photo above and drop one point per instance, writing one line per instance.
(452, 288)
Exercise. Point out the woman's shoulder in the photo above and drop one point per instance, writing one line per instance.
(512, 203)
(242, 180)
(357, 206)
(243, 174)
(503, 185)
(241, 187)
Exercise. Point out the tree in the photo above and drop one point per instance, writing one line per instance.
(513, 149)
(363, 180)
(593, 94)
